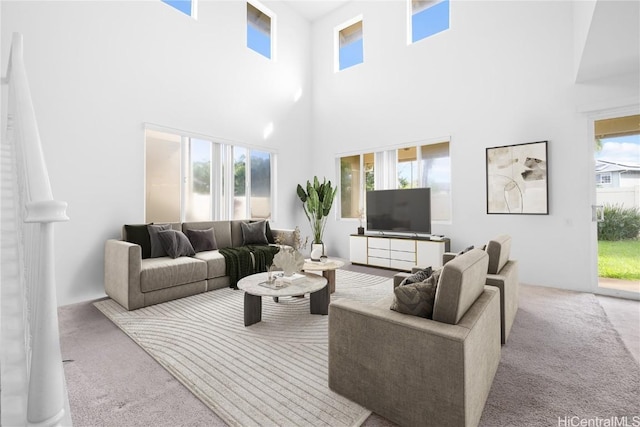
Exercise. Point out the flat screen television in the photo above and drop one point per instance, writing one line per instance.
(399, 211)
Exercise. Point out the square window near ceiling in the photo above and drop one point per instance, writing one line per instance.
(427, 17)
(259, 30)
(349, 45)
(188, 7)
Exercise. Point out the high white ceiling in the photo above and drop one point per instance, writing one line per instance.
(314, 9)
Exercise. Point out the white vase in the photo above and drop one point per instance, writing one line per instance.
(318, 250)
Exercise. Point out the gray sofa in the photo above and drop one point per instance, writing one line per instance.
(135, 282)
(417, 371)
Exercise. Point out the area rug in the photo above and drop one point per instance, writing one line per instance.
(271, 373)
(564, 364)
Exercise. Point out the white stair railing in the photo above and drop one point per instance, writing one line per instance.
(32, 385)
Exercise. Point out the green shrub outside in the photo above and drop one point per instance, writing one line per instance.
(619, 223)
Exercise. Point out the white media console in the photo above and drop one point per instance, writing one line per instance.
(397, 252)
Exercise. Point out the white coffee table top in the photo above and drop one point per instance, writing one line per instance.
(329, 264)
(252, 285)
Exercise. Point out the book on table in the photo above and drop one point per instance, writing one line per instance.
(293, 279)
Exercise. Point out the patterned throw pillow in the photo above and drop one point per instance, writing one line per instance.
(175, 243)
(417, 277)
(416, 299)
(202, 240)
(156, 247)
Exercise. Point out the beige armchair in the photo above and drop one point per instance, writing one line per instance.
(416, 371)
(503, 274)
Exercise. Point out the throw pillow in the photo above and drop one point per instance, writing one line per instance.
(202, 240)
(156, 247)
(139, 234)
(269, 233)
(253, 233)
(416, 299)
(418, 276)
(175, 243)
(465, 250)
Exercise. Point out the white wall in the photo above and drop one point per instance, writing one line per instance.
(502, 74)
(99, 70)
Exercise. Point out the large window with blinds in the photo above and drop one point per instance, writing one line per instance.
(415, 166)
(260, 25)
(349, 44)
(197, 179)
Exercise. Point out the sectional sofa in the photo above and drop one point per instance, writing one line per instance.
(135, 280)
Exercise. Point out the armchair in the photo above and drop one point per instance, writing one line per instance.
(503, 274)
(416, 371)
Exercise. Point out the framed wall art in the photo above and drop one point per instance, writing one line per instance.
(517, 181)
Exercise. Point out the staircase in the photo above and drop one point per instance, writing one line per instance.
(32, 385)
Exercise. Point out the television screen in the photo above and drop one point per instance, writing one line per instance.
(399, 211)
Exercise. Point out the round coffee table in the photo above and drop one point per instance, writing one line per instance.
(328, 268)
(255, 287)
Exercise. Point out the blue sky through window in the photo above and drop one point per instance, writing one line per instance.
(183, 6)
(620, 149)
(258, 41)
(430, 21)
(351, 54)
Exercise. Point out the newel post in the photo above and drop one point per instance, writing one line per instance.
(46, 402)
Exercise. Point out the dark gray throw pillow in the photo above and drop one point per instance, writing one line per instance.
(139, 234)
(156, 247)
(202, 240)
(253, 233)
(416, 277)
(465, 250)
(416, 299)
(175, 243)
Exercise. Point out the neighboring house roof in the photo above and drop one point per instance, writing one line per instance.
(606, 166)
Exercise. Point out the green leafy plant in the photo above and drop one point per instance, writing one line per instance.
(619, 223)
(317, 200)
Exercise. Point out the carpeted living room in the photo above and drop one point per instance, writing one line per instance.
(130, 95)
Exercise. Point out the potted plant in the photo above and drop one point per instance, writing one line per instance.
(317, 200)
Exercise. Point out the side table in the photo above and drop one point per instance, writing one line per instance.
(328, 268)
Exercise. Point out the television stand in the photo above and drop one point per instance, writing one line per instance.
(397, 252)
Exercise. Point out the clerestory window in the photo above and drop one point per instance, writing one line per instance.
(426, 18)
(260, 30)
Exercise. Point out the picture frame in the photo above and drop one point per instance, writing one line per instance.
(517, 179)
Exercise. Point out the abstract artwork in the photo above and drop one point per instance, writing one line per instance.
(517, 179)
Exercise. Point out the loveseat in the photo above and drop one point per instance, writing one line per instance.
(135, 279)
(417, 371)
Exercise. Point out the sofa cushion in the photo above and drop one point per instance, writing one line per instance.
(221, 230)
(156, 247)
(416, 277)
(164, 272)
(253, 233)
(138, 234)
(202, 240)
(216, 265)
(499, 250)
(175, 243)
(461, 283)
(416, 299)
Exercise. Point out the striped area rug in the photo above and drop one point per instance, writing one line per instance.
(273, 373)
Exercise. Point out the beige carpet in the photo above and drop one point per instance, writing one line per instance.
(271, 373)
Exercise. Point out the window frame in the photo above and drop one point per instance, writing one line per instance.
(336, 42)
(194, 8)
(386, 174)
(410, 14)
(221, 174)
(601, 175)
(273, 29)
